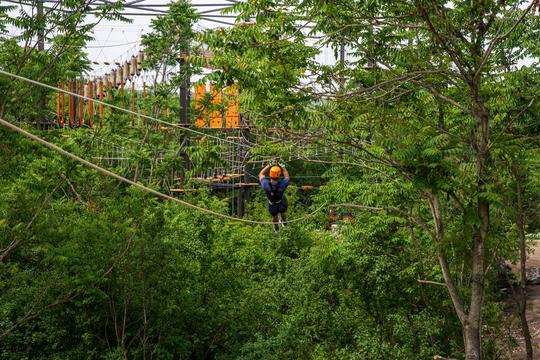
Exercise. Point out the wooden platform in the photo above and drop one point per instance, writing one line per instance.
(236, 186)
(222, 178)
(182, 190)
(246, 184)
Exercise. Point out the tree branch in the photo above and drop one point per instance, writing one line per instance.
(432, 282)
(500, 38)
(409, 216)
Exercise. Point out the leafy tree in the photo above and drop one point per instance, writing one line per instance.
(65, 29)
(417, 102)
(429, 139)
(168, 45)
(127, 276)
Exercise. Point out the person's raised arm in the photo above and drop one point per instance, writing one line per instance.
(285, 172)
(263, 171)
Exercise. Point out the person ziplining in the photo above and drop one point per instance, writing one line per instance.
(139, 185)
(275, 192)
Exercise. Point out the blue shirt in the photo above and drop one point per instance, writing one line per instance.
(274, 192)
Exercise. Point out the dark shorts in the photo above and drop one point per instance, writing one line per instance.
(280, 207)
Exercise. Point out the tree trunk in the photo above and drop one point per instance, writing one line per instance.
(435, 206)
(473, 341)
(471, 321)
(472, 328)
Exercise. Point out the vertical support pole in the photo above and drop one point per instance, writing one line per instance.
(342, 79)
(132, 102)
(184, 111)
(101, 109)
(243, 192)
(144, 101)
(245, 131)
(110, 98)
(90, 104)
(58, 106)
(40, 34)
(42, 102)
(155, 107)
(122, 92)
(63, 105)
(184, 94)
(73, 114)
(240, 200)
(80, 103)
(71, 104)
(240, 204)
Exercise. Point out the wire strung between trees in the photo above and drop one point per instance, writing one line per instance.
(38, 83)
(140, 186)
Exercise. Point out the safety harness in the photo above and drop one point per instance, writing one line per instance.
(274, 193)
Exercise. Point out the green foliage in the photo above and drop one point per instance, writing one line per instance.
(128, 276)
(64, 34)
(93, 269)
(168, 45)
(172, 34)
(428, 97)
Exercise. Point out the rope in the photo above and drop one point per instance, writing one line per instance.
(137, 185)
(97, 101)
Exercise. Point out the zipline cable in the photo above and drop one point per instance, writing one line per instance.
(137, 185)
(38, 83)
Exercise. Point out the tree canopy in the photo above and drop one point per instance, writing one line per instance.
(424, 126)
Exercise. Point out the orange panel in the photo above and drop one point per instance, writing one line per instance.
(200, 93)
(216, 117)
(231, 115)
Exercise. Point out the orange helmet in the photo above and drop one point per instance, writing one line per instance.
(275, 171)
